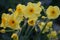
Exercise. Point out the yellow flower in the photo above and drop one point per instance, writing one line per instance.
(53, 34)
(10, 9)
(13, 22)
(32, 10)
(31, 22)
(49, 24)
(41, 25)
(18, 17)
(20, 7)
(52, 12)
(2, 31)
(4, 20)
(39, 4)
(19, 10)
(14, 36)
(46, 30)
(43, 17)
(10, 21)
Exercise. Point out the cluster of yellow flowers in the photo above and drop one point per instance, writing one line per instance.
(31, 11)
(48, 26)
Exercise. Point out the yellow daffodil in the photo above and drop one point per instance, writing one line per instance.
(10, 21)
(13, 22)
(4, 20)
(52, 12)
(2, 31)
(53, 34)
(38, 4)
(46, 30)
(18, 17)
(19, 10)
(49, 24)
(32, 10)
(41, 25)
(43, 17)
(14, 36)
(31, 22)
(10, 9)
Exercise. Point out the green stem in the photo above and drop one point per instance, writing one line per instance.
(9, 30)
(27, 30)
(43, 28)
(25, 22)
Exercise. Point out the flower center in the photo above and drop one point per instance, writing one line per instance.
(11, 22)
(31, 23)
(53, 12)
(31, 10)
(19, 9)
